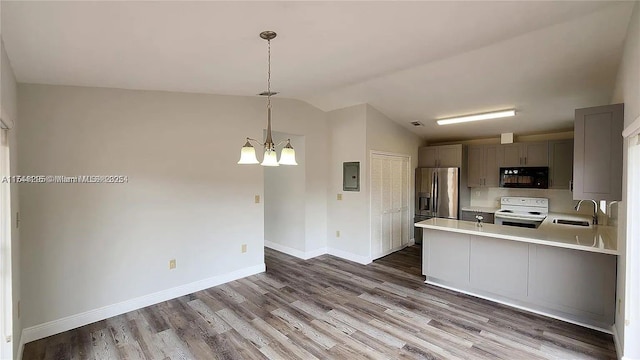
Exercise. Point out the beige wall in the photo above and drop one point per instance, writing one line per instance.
(350, 215)
(186, 198)
(627, 91)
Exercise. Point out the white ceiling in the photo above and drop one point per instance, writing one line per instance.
(414, 61)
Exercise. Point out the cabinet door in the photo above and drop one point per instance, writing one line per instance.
(469, 215)
(512, 155)
(450, 156)
(536, 154)
(446, 256)
(475, 166)
(560, 164)
(428, 156)
(491, 165)
(598, 153)
(499, 266)
(576, 282)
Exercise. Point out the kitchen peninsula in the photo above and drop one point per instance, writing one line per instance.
(562, 271)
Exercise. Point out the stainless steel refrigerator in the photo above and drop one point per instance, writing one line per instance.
(437, 195)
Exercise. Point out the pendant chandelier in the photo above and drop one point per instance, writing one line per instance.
(248, 152)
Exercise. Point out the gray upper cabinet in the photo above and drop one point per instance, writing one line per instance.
(440, 156)
(483, 167)
(560, 164)
(597, 162)
(525, 154)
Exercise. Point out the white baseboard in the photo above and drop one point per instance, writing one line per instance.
(364, 260)
(412, 241)
(317, 252)
(295, 252)
(71, 322)
(390, 251)
(616, 341)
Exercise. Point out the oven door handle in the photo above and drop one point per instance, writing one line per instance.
(516, 217)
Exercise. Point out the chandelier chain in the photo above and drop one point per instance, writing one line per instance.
(269, 75)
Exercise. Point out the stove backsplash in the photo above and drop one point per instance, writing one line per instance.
(560, 201)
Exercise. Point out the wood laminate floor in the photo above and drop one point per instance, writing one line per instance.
(327, 308)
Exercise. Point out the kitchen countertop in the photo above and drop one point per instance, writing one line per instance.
(595, 238)
(480, 209)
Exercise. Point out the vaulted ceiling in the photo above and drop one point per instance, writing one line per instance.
(414, 61)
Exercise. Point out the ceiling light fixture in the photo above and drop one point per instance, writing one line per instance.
(477, 117)
(248, 152)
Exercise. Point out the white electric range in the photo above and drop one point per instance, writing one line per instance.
(522, 211)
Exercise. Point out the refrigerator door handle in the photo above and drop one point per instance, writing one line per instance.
(435, 193)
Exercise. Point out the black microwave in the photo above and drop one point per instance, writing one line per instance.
(524, 177)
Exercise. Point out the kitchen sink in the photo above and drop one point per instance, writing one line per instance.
(571, 222)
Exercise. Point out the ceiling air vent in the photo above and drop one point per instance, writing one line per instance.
(266, 93)
(417, 123)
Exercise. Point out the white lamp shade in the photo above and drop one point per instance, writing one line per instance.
(248, 155)
(288, 156)
(270, 158)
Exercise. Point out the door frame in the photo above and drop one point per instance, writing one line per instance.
(372, 154)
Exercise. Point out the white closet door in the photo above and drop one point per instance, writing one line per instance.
(396, 203)
(376, 205)
(406, 224)
(389, 203)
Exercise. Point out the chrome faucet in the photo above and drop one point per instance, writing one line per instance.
(594, 220)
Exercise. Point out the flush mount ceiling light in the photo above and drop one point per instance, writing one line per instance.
(248, 152)
(477, 117)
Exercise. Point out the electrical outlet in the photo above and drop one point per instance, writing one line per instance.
(244, 248)
(337, 233)
(257, 199)
(339, 196)
(18, 310)
(172, 264)
(619, 306)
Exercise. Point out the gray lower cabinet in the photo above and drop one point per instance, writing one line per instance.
(499, 266)
(574, 285)
(589, 275)
(446, 256)
(471, 216)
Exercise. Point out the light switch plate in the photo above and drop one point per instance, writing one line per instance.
(257, 199)
(339, 196)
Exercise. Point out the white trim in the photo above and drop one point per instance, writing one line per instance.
(20, 349)
(295, 252)
(5, 120)
(607, 331)
(57, 326)
(632, 129)
(412, 242)
(6, 237)
(616, 341)
(386, 153)
(314, 253)
(364, 260)
(389, 252)
(631, 329)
